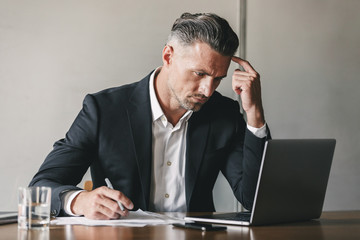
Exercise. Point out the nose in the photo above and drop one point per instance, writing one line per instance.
(207, 86)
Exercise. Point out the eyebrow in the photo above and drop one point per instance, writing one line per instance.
(221, 77)
(208, 74)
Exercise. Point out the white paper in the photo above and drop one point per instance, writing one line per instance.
(134, 219)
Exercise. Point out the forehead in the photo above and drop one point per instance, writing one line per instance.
(200, 56)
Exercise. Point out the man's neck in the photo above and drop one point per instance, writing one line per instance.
(171, 108)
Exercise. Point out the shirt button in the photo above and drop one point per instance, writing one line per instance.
(167, 195)
(168, 163)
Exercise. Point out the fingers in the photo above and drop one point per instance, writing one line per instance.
(245, 76)
(244, 81)
(118, 196)
(111, 200)
(247, 85)
(103, 208)
(101, 203)
(245, 64)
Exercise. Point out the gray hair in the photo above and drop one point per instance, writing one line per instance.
(208, 28)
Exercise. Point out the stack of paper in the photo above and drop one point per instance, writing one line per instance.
(134, 219)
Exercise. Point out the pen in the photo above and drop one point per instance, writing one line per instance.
(109, 185)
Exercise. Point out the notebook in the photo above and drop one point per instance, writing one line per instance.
(291, 186)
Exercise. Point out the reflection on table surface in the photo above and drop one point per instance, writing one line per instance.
(332, 225)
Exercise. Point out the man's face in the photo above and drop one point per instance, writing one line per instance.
(194, 73)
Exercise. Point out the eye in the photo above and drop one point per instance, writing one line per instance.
(200, 74)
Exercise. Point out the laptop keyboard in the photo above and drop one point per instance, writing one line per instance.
(239, 216)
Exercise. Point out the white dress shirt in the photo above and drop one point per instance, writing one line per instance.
(167, 193)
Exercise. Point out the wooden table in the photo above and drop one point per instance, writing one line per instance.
(332, 225)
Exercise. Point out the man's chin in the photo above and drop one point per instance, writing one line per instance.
(193, 106)
(197, 107)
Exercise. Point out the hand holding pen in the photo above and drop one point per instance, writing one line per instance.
(108, 183)
(102, 203)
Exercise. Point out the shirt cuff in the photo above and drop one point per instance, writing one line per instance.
(68, 198)
(258, 132)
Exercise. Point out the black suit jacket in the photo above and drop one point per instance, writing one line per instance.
(113, 135)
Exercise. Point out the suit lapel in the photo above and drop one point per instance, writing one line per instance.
(140, 119)
(196, 142)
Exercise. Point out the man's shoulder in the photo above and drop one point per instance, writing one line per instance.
(114, 91)
(124, 92)
(123, 89)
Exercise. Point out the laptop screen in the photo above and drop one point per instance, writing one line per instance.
(292, 183)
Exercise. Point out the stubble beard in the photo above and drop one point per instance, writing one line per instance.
(186, 103)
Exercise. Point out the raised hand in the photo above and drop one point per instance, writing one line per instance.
(247, 85)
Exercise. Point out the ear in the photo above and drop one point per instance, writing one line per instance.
(167, 55)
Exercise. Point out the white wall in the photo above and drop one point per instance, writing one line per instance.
(308, 54)
(54, 52)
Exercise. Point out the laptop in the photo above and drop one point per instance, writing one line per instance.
(291, 186)
(8, 217)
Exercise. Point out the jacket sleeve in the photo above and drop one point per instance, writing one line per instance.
(70, 158)
(243, 163)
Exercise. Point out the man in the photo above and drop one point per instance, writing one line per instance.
(162, 141)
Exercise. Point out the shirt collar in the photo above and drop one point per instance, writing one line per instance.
(155, 106)
(156, 110)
